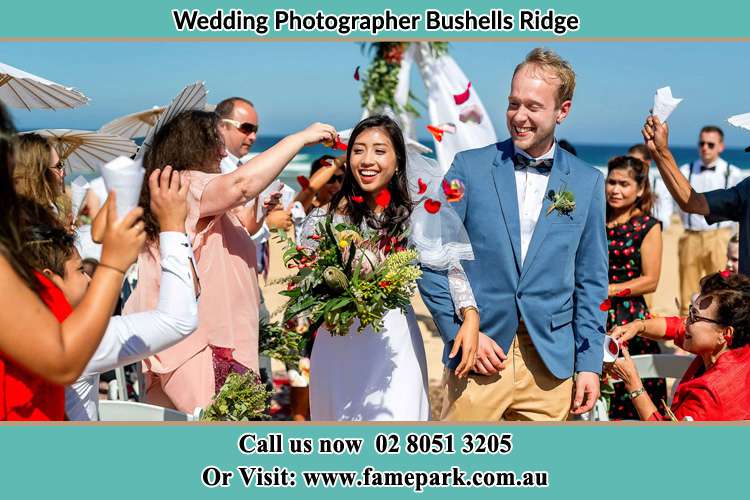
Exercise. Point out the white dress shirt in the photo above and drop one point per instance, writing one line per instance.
(708, 180)
(663, 202)
(531, 187)
(134, 337)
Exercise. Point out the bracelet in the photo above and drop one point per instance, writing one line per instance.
(636, 393)
(468, 308)
(102, 264)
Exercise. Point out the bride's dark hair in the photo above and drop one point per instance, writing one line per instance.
(396, 215)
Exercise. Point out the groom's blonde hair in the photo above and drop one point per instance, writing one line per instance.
(557, 67)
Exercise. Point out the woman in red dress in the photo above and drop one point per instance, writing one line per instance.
(44, 345)
(717, 331)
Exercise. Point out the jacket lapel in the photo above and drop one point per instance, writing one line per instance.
(558, 180)
(504, 176)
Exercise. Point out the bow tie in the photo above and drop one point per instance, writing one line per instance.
(543, 166)
(711, 169)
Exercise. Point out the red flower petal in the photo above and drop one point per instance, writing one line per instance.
(357, 199)
(463, 96)
(325, 163)
(437, 133)
(383, 199)
(606, 305)
(356, 74)
(340, 145)
(422, 186)
(725, 273)
(623, 293)
(315, 237)
(303, 181)
(432, 206)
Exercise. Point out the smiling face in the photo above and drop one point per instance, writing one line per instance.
(533, 112)
(372, 160)
(622, 190)
(702, 334)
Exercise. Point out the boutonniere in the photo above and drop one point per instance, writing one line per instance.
(563, 202)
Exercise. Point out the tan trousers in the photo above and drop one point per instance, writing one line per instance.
(524, 390)
(701, 253)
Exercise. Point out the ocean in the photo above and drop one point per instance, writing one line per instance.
(594, 154)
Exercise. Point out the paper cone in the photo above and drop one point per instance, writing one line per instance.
(78, 189)
(664, 103)
(125, 177)
(611, 349)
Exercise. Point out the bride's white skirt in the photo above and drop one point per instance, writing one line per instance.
(371, 376)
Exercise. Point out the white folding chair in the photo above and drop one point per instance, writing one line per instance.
(130, 411)
(662, 365)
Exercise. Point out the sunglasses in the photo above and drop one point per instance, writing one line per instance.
(246, 127)
(693, 317)
(710, 145)
(59, 166)
(336, 178)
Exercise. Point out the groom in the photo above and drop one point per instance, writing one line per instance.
(540, 268)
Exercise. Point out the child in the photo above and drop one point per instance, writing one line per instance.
(130, 338)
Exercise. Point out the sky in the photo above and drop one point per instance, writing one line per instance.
(294, 84)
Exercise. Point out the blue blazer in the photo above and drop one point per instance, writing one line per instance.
(563, 280)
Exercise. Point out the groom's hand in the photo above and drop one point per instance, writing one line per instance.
(587, 392)
(490, 356)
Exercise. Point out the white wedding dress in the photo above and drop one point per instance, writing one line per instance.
(372, 376)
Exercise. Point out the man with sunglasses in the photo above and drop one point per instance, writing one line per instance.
(703, 247)
(713, 192)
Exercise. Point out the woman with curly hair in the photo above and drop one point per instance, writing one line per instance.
(717, 331)
(187, 375)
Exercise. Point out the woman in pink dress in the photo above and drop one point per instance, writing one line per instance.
(187, 375)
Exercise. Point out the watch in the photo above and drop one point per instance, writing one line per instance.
(636, 393)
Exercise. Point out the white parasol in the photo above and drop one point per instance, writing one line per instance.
(135, 124)
(192, 97)
(19, 89)
(85, 150)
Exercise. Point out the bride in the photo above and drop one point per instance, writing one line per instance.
(383, 376)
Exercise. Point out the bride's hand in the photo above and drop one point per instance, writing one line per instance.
(466, 340)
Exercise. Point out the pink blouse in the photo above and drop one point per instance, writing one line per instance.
(230, 300)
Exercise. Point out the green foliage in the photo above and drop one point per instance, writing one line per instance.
(241, 399)
(277, 342)
(381, 80)
(351, 275)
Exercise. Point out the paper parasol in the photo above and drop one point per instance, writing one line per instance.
(19, 89)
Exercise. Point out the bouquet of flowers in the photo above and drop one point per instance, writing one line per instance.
(278, 342)
(352, 274)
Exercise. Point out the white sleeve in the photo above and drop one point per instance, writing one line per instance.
(134, 337)
(262, 235)
(460, 289)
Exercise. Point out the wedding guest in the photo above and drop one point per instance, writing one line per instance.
(39, 174)
(733, 253)
(717, 331)
(663, 202)
(238, 127)
(188, 374)
(41, 348)
(130, 338)
(635, 247)
(703, 247)
(326, 176)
